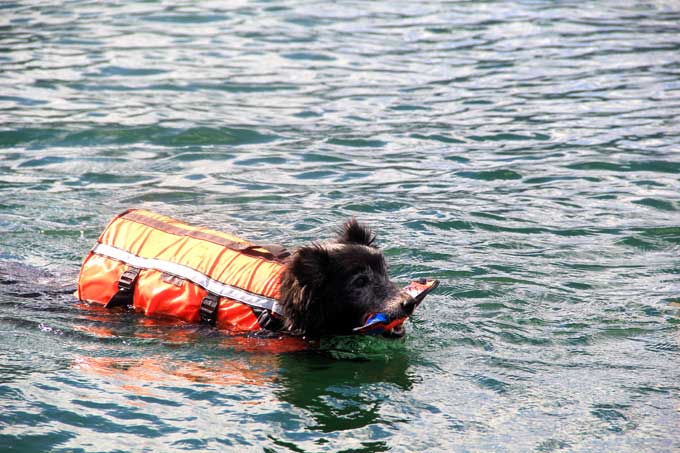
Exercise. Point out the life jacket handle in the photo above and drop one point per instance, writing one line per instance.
(275, 251)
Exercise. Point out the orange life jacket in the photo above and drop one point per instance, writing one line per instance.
(161, 266)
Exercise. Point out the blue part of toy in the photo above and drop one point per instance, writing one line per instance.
(376, 318)
(376, 322)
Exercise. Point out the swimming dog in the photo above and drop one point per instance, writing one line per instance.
(163, 267)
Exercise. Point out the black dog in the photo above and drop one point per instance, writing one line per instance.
(331, 288)
(326, 288)
(160, 266)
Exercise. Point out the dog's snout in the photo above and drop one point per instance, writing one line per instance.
(409, 304)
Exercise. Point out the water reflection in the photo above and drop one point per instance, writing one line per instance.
(340, 394)
(340, 384)
(333, 381)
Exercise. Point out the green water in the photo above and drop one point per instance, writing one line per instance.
(527, 154)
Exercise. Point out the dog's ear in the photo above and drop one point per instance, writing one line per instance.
(354, 232)
(309, 265)
(302, 289)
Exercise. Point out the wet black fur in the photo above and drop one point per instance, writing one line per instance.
(330, 288)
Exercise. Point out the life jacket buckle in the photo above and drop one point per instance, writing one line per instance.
(268, 321)
(209, 306)
(127, 280)
(126, 284)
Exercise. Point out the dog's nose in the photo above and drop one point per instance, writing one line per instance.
(409, 304)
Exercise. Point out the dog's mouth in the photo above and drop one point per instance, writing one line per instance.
(383, 324)
(395, 332)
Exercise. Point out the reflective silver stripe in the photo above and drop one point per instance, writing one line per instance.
(211, 285)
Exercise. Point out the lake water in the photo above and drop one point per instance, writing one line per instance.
(527, 154)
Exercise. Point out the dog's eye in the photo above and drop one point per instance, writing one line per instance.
(360, 281)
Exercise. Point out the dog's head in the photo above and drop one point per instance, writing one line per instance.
(332, 288)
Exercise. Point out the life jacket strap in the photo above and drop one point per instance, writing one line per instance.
(209, 306)
(126, 289)
(202, 280)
